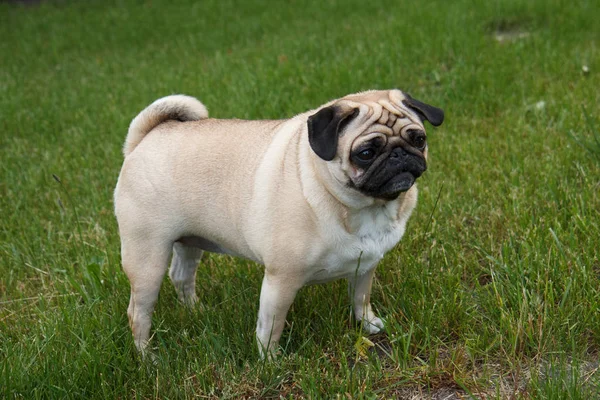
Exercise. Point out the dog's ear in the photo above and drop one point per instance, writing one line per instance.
(426, 112)
(324, 128)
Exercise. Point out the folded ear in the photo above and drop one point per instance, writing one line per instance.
(324, 128)
(426, 112)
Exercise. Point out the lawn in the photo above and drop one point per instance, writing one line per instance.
(494, 291)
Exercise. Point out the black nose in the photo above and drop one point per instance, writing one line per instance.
(398, 153)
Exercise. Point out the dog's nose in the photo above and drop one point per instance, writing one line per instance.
(398, 153)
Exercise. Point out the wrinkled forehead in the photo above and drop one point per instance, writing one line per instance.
(385, 108)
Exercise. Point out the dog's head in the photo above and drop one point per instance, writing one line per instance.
(374, 142)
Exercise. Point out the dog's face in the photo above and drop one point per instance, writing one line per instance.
(375, 141)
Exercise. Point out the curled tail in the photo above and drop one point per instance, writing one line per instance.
(176, 107)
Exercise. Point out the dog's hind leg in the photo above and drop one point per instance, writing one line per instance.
(183, 272)
(145, 263)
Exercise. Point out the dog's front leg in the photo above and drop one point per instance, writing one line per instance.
(359, 288)
(276, 297)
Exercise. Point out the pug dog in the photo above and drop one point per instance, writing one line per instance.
(317, 197)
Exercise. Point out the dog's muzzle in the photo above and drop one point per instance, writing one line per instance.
(396, 175)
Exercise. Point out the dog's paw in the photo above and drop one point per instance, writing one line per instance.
(373, 326)
(271, 354)
(188, 299)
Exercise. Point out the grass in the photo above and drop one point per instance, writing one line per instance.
(494, 290)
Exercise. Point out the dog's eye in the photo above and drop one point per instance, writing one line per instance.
(419, 142)
(418, 139)
(366, 155)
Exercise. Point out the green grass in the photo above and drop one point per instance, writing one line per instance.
(493, 291)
